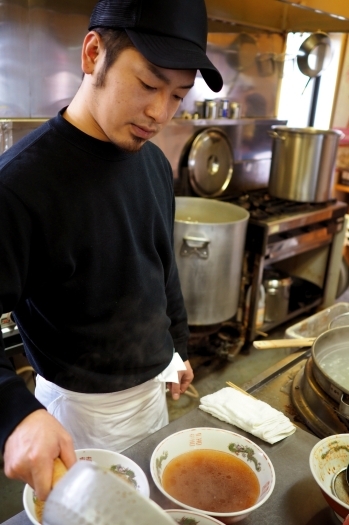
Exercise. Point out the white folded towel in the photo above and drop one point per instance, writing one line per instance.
(248, 413)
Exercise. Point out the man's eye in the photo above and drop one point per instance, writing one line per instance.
(146, 86)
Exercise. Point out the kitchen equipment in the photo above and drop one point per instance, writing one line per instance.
(272, 344)
(211, 109)
(12, 130)
(314, 54)
(209, 239)
(303, 162)
(210, 162)
(109, 461)
(242, 52)
(340, 320)
(277, 295)
(316, 324)
(235, 110)
(293, 237)
(89, 495)
(339, 485)
(265, 64)
(331, 365)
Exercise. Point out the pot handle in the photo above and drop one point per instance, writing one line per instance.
(275, 135)
(344, 406)
(195, 246)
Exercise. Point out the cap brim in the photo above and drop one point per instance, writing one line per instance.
(175, 53)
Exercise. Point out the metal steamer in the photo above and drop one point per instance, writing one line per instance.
(315, 380)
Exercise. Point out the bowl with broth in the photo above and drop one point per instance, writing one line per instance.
(120, 465)
(214, 472)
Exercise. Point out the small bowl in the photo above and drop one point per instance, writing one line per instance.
(189, 517)
(220, 440)
(327, 458)
(106, 459)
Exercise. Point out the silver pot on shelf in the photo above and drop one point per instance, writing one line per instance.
(277, 288)
(303, 162)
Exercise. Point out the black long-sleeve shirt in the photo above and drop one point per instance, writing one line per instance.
(86, 264)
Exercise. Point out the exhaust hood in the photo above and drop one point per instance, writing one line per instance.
(278, 16)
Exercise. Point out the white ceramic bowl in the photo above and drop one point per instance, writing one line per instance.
(221, 440)
(326, 459)
(183, 516)
(105, 459)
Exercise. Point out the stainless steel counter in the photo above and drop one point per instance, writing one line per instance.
(296, 499)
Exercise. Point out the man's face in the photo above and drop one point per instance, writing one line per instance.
(136, 100)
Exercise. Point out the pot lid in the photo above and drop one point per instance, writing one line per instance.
(210, 163)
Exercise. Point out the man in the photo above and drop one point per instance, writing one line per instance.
(86, 262)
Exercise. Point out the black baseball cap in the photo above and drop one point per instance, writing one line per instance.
(169, 33)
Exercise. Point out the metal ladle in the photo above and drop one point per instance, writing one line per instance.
(90, 495)
(340, 485)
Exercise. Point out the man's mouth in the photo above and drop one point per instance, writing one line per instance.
(143, 132)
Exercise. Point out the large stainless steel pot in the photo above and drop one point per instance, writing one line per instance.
(330, 362)
(303, 162)
(209, 239)
(330, 353)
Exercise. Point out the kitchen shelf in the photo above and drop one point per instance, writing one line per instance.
(342, 187)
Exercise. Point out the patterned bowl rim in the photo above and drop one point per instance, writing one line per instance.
(221, 514)
(323, 442)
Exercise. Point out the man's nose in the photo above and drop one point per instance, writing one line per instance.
(158, 109)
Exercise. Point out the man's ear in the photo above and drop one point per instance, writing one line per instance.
(91, 50)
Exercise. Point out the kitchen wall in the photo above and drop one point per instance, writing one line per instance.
(40, 44)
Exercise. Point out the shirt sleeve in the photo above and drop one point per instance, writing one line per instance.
(175, 304)
(16, 401)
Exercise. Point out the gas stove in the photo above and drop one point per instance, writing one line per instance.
(303, 240)
(290, 387)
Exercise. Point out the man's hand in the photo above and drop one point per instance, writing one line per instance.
(32, 448)
(185, 377)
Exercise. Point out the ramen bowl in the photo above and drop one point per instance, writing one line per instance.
(327, 458)
(241, 452)
(189, 517)
(122, 466)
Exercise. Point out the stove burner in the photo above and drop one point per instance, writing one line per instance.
(318, 411)
(261, 205)
(223, 340)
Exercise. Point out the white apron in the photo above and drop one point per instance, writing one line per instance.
(113, 421)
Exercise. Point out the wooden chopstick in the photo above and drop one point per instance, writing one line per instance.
(232, 385)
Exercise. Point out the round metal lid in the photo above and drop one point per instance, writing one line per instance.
(210, 163)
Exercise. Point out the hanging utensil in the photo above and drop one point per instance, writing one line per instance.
(265, 63)
(315, 54)
(242, 51)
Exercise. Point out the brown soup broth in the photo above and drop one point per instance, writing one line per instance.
(211, 480)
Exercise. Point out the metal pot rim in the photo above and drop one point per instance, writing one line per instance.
(307, 130)
(324, 335)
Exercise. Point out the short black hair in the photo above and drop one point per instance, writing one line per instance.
(114, 41)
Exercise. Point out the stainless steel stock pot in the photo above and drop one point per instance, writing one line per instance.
(303, 162)
(209, 240)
